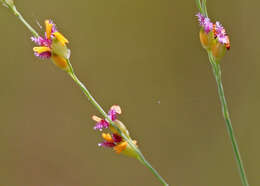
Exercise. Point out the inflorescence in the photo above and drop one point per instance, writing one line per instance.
(115, 141)
(213, 36)
(52, 45)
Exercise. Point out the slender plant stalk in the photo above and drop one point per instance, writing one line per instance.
(217, 74)
(86, 92)
(198, 3)
(204, 7)
(9, 4)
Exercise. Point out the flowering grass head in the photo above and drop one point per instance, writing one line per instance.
(114, 139)
(52, 45)
(213, 36)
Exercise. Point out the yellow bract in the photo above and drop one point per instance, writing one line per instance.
(60, 38)
(120, 147)
(60, 61)
(107, 137)
(40, 50)
(128, 150)
(218, 50)
(48, 26)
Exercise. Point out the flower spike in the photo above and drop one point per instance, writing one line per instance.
(213, 37)
(52, 45)
(115, 140)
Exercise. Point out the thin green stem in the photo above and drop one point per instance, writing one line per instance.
(11, 6)
(198, 3)
(204, 7)
(217, 73)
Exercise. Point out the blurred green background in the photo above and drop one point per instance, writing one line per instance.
(146, 57)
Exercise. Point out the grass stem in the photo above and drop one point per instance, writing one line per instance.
(217, 74)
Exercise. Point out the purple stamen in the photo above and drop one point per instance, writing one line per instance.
(103, 124)
(106, 144)
(116, 138)
(221, 33)
(43, 55)
(112, 114)
(205, 22)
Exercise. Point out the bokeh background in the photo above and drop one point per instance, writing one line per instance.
(145, 56)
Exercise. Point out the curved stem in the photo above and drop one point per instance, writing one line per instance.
(217, 73)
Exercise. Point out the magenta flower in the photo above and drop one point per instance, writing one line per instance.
(115, 140)
(205, 23)
(110, 141)
(112, 114)
(52, 45)
(217, 29)
(200, 18)
(45, 43)
(220, 33)
(208, 26)
(106, 144)
(102, 124)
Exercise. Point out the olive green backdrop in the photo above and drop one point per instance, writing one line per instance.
(145, 56)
